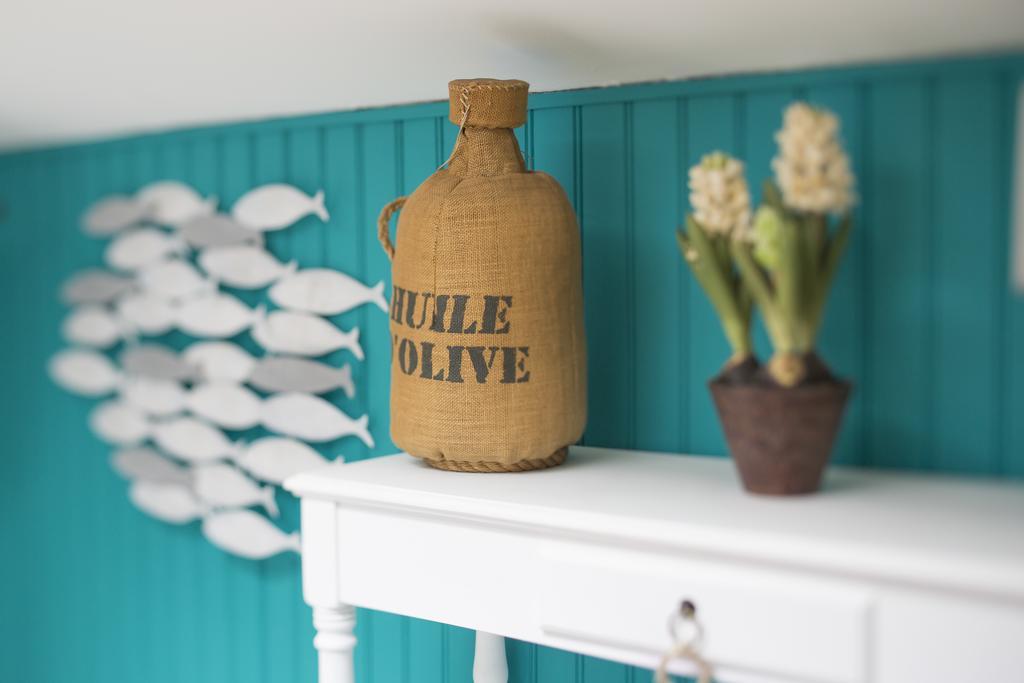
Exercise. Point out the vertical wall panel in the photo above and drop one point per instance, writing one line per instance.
(898, 330)
(920, 317)
(658, 267)
(964, 252)
(711, 126)
(606, 277)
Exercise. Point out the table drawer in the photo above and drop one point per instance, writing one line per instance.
(765, 621)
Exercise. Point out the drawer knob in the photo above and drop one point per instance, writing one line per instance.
(687, 637)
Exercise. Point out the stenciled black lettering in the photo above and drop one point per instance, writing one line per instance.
(408, 356)
(481, 365)
(455, 364)
(521, 365)
(495, 311)
(458, 321)
(440, 307)
(397, 302)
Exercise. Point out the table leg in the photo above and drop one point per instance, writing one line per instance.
(489, 663)
(334, 643)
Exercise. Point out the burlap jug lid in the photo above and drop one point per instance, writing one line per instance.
(492, 103)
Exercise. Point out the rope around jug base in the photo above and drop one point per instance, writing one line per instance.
(556, 458)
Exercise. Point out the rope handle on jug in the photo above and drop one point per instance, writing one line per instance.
(686, 647)
(389, 210)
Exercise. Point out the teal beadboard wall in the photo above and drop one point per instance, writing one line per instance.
(922, 318)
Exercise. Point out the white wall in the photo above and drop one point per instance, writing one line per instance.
(72, 69)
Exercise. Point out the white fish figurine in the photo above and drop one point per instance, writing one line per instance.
(248, 534)
(154, 360)
(220, 361)
(275, 458)
(225, 404)
(281, 373)
(112, 214)
(93, 326)
(311, 418)
(144, 313)
(170, 202)
(142, 462)
(84, 372)
(169, 502)
(94, 286)
(174, 279)
(223, 486)
(303, 334)
(153, 396)
(116, 422)
(243, 266)
(216, 316)
(325, 292)
(191, 439)
(217, 230)
(140, 247)
(276, 206)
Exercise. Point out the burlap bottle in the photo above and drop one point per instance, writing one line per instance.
(488, 357)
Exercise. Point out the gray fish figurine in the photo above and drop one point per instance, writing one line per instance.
(94, 286)
(282, 373)
(217, 230)
(111, 215)
(168, 502)
(144, 463)
(153, 360)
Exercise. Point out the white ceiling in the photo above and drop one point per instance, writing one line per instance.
(78, 69)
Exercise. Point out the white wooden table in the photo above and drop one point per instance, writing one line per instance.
(882, 578)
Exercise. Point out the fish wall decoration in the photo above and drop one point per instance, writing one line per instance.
(275, 458)
(146, 314)
(325, 292)
(243, 266)
(216, 316)
(94, 326)
(220, 361)
(283, 373)
(220, 485)
(191, 439)
(311, 418)
(84, 372)
(303, 334)
(174, 279)
(225, 404)
(248, 534)
(154, 360)
(217, 230)
(277, 206)
(172, 203)
(94, 286)
(172, 407)
(144, 463)
(112, 214)
(169, 502)
(119, 423)
(153, 396)
(140, 247)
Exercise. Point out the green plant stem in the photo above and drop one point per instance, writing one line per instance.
(712, 268)
(833, 254)
(761, 292)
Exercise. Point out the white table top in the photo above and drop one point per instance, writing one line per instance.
(955, 533)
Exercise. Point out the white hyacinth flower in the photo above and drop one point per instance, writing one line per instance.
(719, 195)
(812, 170)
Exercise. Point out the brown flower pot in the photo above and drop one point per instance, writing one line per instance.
(780, 439)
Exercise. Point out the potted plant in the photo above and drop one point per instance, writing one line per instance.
(780, 419)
